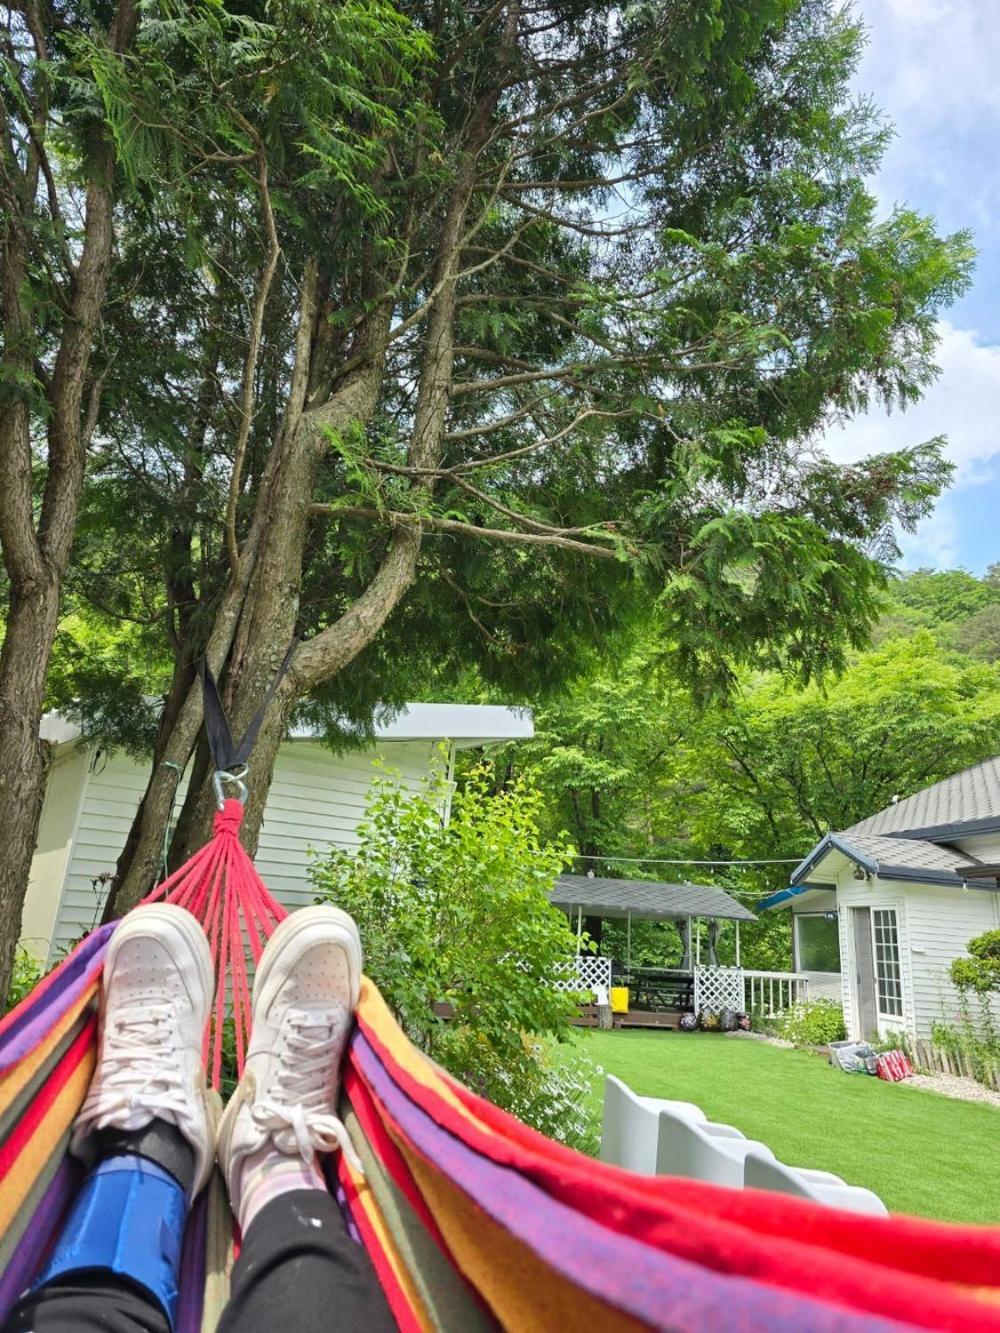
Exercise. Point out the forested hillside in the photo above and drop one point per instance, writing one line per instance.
(633, 766)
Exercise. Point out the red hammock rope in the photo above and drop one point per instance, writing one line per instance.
(220, 886)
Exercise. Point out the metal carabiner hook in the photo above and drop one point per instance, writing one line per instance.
(221, 777)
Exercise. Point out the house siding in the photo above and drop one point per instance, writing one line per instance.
(941, 924)
(61, 810)
(983, 846)
(315, 802)
(934, 927)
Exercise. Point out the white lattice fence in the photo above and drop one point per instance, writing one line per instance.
(718, 988)
(584, 972)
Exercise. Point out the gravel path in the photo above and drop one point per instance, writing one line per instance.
(951, 1085)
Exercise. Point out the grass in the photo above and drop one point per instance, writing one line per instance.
(921, 1152)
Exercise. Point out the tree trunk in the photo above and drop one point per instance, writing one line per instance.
(266, 616)
(269, 613)
(36, 557)
(24, 662)
(256, 621)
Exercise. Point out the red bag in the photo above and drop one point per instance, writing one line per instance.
(893, 1066)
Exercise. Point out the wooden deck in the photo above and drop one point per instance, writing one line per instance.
(639, 1018)
(667, 1020)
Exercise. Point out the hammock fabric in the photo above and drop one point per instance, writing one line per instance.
(473, 1220)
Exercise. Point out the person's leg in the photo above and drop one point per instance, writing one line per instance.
(298, 1264)
(121, 1241)
(145, 1120)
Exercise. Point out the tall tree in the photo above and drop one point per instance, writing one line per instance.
(533, 312)
(58, 168)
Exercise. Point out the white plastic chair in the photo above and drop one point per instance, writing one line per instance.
(765, 1173)
(686, 1148)
(695, 1114)
(630, 1128)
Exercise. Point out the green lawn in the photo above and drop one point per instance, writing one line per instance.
(922, 1153)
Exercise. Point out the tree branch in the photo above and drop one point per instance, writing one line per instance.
(464, 529)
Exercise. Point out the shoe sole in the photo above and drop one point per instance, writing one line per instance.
(298, 924)
(185, 925)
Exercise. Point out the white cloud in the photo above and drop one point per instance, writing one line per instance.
(936, 544)
(932, 68)
(963, 404)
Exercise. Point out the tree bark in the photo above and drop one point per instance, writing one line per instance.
(36, 558)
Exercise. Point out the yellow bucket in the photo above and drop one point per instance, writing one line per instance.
(619, 999)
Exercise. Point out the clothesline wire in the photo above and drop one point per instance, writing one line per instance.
(689, 861)
(753, 894)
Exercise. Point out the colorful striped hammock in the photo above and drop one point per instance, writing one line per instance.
(473, 1220)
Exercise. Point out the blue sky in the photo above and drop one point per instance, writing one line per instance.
(933, 66)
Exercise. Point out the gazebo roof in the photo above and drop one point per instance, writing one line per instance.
(645, 899)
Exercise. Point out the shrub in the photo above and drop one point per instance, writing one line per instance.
(975, 1036)
(25, 976)
(457, 914)
(813, 1024)
(980, 972)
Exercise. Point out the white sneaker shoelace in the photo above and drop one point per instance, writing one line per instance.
(141, 1069)
(295, 1112)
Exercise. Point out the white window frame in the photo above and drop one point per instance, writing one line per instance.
(796, 956)
(876, 912)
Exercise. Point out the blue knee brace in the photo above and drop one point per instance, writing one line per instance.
(128, 1219)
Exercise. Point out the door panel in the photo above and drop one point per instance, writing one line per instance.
(864, 971)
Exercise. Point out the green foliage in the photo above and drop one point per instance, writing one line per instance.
(943, 596)
(633, 764)
(813, 1024)
(788, 765)
(638, 388)
(974, 1035)
(981, 971)
(24, 978)
(457, 914)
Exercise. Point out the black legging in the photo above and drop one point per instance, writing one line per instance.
(298, 1269)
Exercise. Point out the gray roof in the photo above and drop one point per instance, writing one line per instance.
(914, 860)
(969, 798)
(915, 853)
(646, 899)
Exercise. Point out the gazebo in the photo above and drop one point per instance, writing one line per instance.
(658, 995)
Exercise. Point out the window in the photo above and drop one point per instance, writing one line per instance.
(888, 988)
(818, 943)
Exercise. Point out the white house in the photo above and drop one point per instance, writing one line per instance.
(315, 802)
(881, 910)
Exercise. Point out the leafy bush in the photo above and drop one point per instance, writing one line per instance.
(813, 1024)
(980, 972)
(25, 976)
(457, 915)
(974, 1036)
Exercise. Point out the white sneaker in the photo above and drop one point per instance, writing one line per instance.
(155, 1002)
(304, 996)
